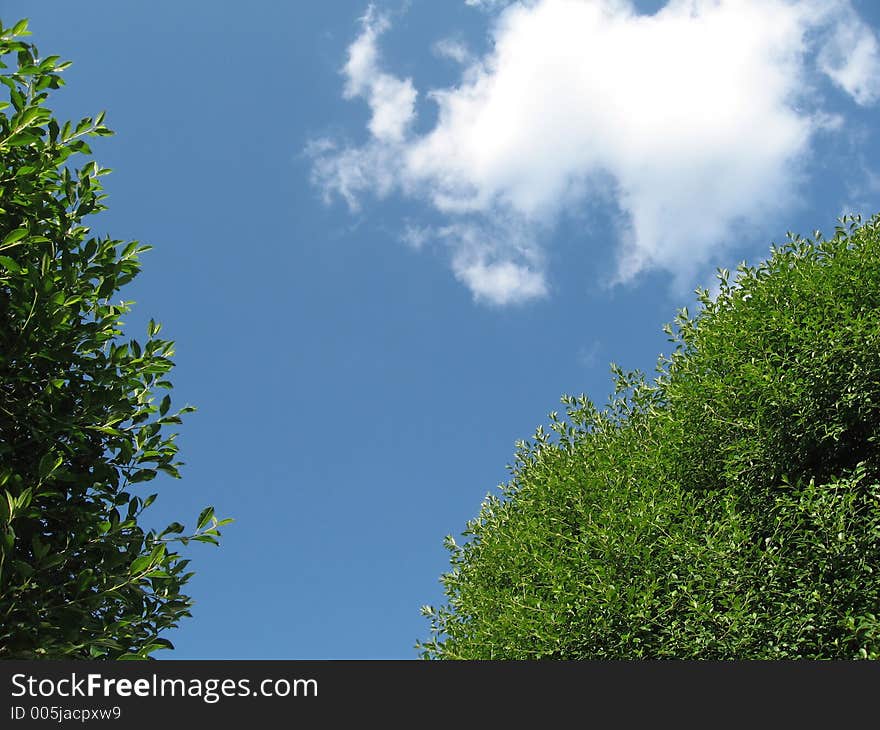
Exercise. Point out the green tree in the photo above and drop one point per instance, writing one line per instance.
(728, 508)
(82, 423)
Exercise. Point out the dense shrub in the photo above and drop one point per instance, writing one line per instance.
(84, 414)
(728, 508)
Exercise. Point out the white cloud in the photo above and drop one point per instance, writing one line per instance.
(588, 355)
(416, 236)
(349, 171)
(453, 49)
(392, 100)
(851, 57)
(695, 119)
(496, 260)
(863, 193)
(498, 282)
(487, 3)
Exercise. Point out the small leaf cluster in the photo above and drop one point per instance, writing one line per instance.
(84, 414)
(728, 508)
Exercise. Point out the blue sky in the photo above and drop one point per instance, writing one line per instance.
(388, 237)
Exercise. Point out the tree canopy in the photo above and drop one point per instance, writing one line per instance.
(727, 508)
(84, 414)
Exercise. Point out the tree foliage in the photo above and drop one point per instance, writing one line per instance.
(84, 415)
(727, 508)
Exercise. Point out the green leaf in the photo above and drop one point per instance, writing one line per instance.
(13, 236)
(11, 505)
(169, 470)
(206, 538)
(139, 565)
(22, 568)
(10, 264)
(142, 475)
(29, 116)
(205, 517)
(39, 547)
(49, 463)
(24, 499)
